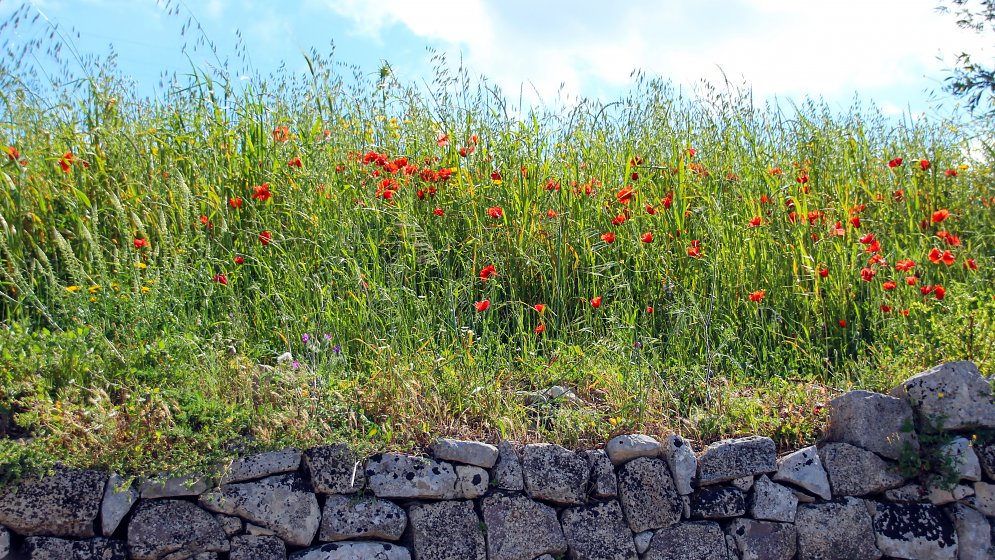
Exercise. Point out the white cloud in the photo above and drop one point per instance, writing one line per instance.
(781, 47)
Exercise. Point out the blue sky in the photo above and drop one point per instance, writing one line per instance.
(891, 52)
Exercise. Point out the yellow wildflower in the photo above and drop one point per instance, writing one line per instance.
(141, 265)
(146, 289)
(72, 289)
(93, 289)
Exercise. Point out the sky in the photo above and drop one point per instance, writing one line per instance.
(893, 53)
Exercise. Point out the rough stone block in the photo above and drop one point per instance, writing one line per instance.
(467, 452)
(555, 474)
(345, 517)
(446, 531)
(65, 504)
(952, 396)
(730, 459)
(872, 421)
(648, 495)
(518, 527)
(841, 529)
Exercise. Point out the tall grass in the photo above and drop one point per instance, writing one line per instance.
(128, 321)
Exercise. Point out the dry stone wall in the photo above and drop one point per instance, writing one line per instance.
(904, 475)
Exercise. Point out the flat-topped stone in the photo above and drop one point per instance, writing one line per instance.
(365, 550)
(446, 531)
(717, 502)
(466, 452)
(648, 495)
(54, 548)
(261, 465)
(555, 474)
(334, 469)
(627, 447)
(913, 531)
(730, 459)
(368, 517)
(763, 540)
(951, 396)
(159, 528)
(840, 529)
(598, 532)
(471, 482)
(803, 468)
(872, 421)
(64, 504)
(691, 540)
(250, 547)
(396, 475)
(518, 527)
(857, 472)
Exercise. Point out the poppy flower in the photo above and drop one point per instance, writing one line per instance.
(667, 201)
(495, 212)
(13, 154)
(235, 202)
(898, 195)
(540, 307)
(755, 221)
(837, 230)
(488, 272)
(596, 302)
(221, 279)
(802, 179)
(895, 162)
(261, 192)
(867, 274)
(650, 210)
(971, 264)
(496, 177)
(139, 243)
(647, 237)
(482, 306)
(619, 220)
(940, 215)
(691, 152)
(924, 164)
(265, 237)
(625, 195)
(695, 249)
(463, 152)
(905, 265)
(911, 280)
(889, 285)
(885, 308)
(940, 292)
(824, 272)
(551, 213)
(239, 259)
(296, 162)
(66, 161)
(281, 134)
(204, 220)
(608, 237)
(867, 239)
(758, 296)
(540, 328)
(793, 216)
(842, 323)
(925, 290)
(649, 309)
(442, 139)
(439, 212)
(775, 172)
(950, 172)
(877, 259)
(855, 222)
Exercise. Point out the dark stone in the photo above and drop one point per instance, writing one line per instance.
(598, 532)
(52, 548)
(62, 505)
(717, 502)
(334, 469)
(693, 540)
(914, 530)
(648, 494)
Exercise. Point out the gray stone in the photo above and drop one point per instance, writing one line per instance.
(163, 527)
(857, 472)
(841, 529)
(4, 543)
(763, 540)
(257, 531)
(507, 472)
(804, 469)
(772, 502)
(961, 459)
(627, 447)
(598, 532)
(648, 495)
(681, 461)
(346, 517)
(804, 497)
(281, 503)
(471, 482)
(872, 421)
(446, 531)
(951, 396)
(262, 465)
(334, 469)
(368, 550)
(395, 475)
(918, 531)
(984, 498)
(166, 486)
(939, 495)
(974, 536)
(53, 548)
(986, 456)
(248, 547)
(119, 496)
(907, 494)
(230, 524)
(555, 474)
(642, 541)
(744, 483)
(62, 505)
(730, 459)
(693, 540)
(518, 527)
(717, 502)
(604, 483)
(183, 556)
(467, 452)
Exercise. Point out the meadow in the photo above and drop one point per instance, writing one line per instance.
(340, 256)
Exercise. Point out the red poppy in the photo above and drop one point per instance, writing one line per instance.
(482, 306)
(867, 274)
(898, 195)
(281, 134)
(775, 172)
(488, 272)
(874, 247)
(235, 202)
(824, 272)
(971, 264)
(221, 279)
(296, 162)
(889, 285)
(905, 265)
(647, 237)
(495, 212)
(842, 323)
(439, 212)
(540, 328)
(895, 162)
(442, 139)
(625, 195)
(239, 259)
(855, 222)
(261, 192)
(911, 280)
(540, 307)
(755, 221)
(634, 176)
(924, 164)
(695, 249)
(66, 161)
(925, 290)
(950, 172)
(867, 239)
(885, 308)
(940, 215)
(204, 220)
(792, 216)
(667, 201)
(837, 230)
(946, 257)
(265, 237)
(608, 237)
(496, 177)
(463, 152)
(904, 312)
(758, 296)
(802, 179)
(139, 243)
(650, 210)
(619, 220)
(551, 213)
(596, 302)
(691, 152)
(940, 292)
(649, 309)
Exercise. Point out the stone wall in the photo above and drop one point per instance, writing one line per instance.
(636, 499)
